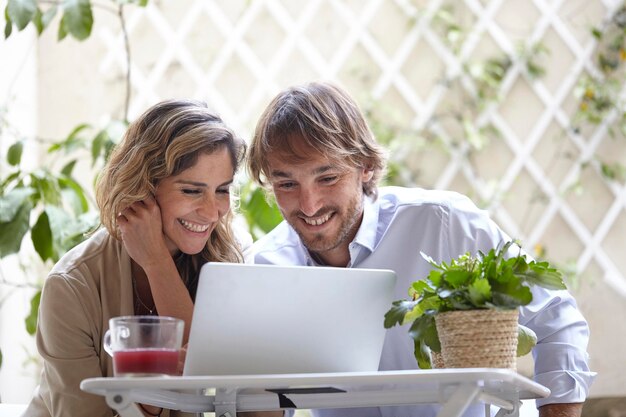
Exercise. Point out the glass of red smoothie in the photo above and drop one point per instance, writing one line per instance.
(144, 345)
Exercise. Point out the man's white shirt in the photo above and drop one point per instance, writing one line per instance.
(401, 223)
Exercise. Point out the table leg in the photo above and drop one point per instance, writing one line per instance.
(510, 413)
(225, 402)
(460, 399)
(122, 403)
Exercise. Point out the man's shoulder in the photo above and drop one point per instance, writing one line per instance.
(399, 197)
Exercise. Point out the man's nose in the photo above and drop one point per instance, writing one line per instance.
(310, 201)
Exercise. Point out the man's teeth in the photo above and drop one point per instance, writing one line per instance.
(198, 228)
(318, 221)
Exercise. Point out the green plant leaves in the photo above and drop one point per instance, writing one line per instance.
(77, 19)
(260, 215)
(396, 314)
(41, 236)
(12, 232)
(526, 340)
(14, 154)
(479, 291)
(31, 319)
(483, 281)
(422, 354)
(424, 328)
(8, 26)
(21, 12)
(11, 202)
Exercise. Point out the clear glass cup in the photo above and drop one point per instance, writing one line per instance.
(144, 345)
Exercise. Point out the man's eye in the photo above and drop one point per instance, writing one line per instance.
(329, 179)
(285, 185)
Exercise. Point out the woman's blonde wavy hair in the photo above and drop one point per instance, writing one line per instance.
(320, 117)
(166, 140)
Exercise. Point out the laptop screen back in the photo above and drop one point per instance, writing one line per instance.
(267, 319)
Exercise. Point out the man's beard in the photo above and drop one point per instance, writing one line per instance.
(323, 242)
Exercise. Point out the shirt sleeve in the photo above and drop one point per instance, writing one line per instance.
(65, 342)
(561, 359)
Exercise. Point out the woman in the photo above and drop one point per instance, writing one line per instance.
(164, 200)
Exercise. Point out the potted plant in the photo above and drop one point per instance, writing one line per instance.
(466, 311)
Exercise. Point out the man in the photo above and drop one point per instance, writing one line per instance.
(313, 148)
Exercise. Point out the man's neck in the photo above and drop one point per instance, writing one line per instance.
(331, 258)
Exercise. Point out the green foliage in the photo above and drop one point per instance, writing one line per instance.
(261, 214)
(31, 320)
(599, 93)
(76, 15)
(484, 281)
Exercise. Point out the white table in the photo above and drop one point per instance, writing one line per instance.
(455, 389)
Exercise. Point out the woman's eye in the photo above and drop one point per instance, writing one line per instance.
(190, 191)
(224, 190)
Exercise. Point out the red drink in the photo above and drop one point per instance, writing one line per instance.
(145, 361)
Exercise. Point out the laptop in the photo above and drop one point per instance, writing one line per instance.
(268, 319)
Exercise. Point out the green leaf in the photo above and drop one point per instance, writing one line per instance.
(41, 235)
(542, 275)
(597, 33)
(396, 313)
(8, 26)
(417, 288)
(526, 340)
(97, 145)
(69, 230)
(74, 193)
(78, 18)
(14, 154)
(13, 201)
(37, 21)
(422, 354)
(425, 329)
(47, 186)
(259, 213)
(48, 15)
(479, 292)
(141, 3)
(68, 168)
(458, 278)
(12, 232)
(72, 142)
(21, 12)
(63, 31)
(31, 320)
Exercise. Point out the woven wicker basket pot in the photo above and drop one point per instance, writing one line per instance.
(478, 338)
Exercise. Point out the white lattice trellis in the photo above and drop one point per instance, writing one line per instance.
(253, 49)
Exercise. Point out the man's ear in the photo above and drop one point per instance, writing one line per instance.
(367, 174)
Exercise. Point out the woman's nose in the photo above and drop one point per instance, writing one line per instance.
(209, 209)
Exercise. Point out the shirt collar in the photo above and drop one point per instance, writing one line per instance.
(366, 235)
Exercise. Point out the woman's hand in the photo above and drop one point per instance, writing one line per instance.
(142, 232)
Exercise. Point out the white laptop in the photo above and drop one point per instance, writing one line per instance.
(267, 319)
